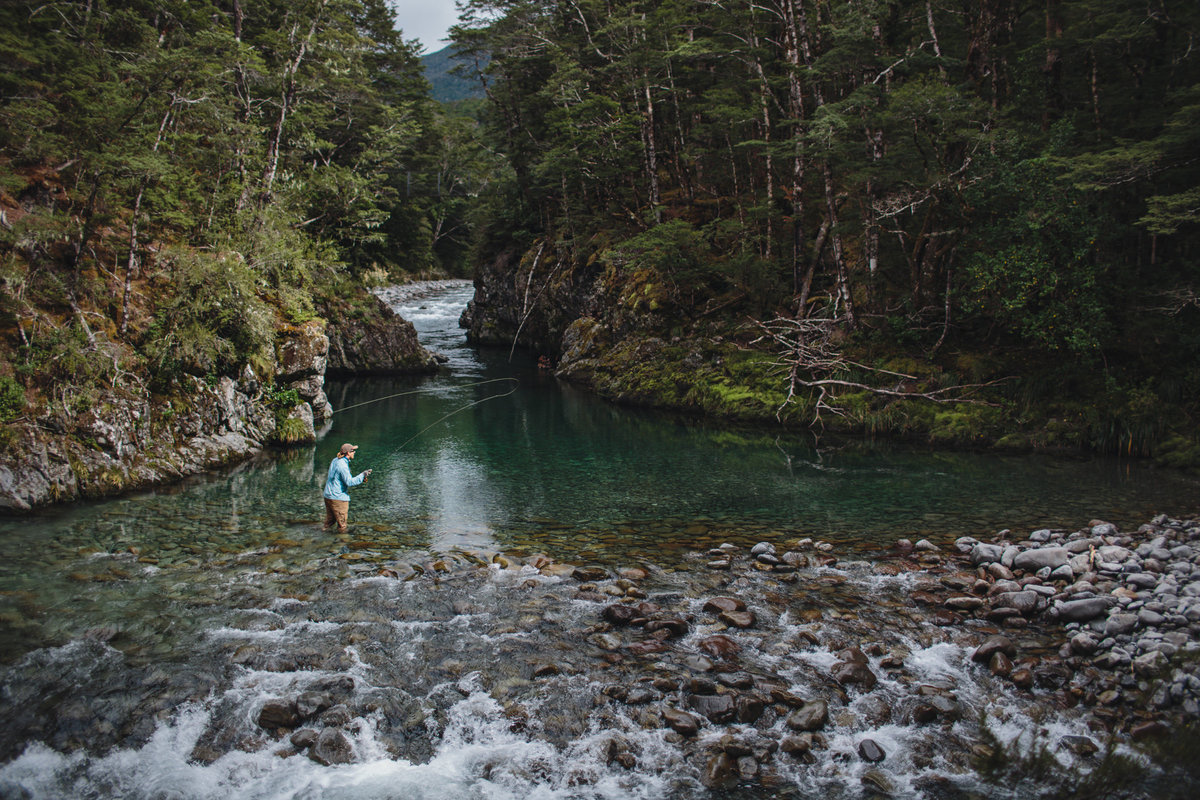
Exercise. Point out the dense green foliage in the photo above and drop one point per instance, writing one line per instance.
(178, 178)
(1007, 177)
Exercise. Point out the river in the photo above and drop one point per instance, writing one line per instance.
(141, 638)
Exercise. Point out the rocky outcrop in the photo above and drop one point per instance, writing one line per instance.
(533, 299)
(129, 441)
(301, 356)
(371, 339)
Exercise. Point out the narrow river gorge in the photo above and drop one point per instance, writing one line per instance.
(210, 640)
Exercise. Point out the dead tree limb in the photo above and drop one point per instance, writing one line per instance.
(810, 352)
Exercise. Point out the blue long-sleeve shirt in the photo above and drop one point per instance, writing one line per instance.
(339, 479)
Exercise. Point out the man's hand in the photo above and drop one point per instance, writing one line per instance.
(368, 472)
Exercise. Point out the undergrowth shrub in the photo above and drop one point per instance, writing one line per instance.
(211, 319)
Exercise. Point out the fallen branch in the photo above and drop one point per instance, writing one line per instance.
(809, 347)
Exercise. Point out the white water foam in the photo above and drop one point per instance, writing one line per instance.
(478, 756)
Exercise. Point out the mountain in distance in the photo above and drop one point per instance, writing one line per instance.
(448, 87)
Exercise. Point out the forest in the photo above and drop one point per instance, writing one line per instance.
(998, 194)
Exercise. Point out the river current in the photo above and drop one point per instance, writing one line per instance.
(141, 638)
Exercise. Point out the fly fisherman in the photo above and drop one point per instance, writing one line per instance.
(337, 501)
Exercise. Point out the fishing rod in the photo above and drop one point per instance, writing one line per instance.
(515, 384)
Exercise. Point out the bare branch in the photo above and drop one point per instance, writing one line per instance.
(809, 350)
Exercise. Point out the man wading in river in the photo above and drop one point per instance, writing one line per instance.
(337, 501)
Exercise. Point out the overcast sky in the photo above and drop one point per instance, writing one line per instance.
(427, 20)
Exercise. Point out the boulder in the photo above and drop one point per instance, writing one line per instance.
(375, 341)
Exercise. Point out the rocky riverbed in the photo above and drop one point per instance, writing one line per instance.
(1024, 666)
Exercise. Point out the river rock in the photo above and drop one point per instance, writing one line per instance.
(736, 680)
(964, 602)
(796, 745)
(1022, 678)
(641, 695)
(1000, 664)
(278, 714)
(332, 747)
(870, 751)
(878, 783)
(1082, 610)
(1150, 619)
(1084, 643)
(673, 626)
(854, 672)
(749, 708)
(986, 553)
(605, 641)
(310, 703)
(811, 716)
(681, 722)
(994, 644)
(1034, 560)
(719, 708)
(719, 646)
(720, 772)
(619, 614)
(1025, 602)
(589, 574)
(1150, 664)
(1079, 745)
(717, 605)
(303, 738)
(738, 619)
(1119, 624)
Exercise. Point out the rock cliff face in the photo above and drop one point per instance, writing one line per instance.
(133, 440)
(532, 299)
(130, 441)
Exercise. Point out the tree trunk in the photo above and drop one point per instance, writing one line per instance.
(839, 259)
